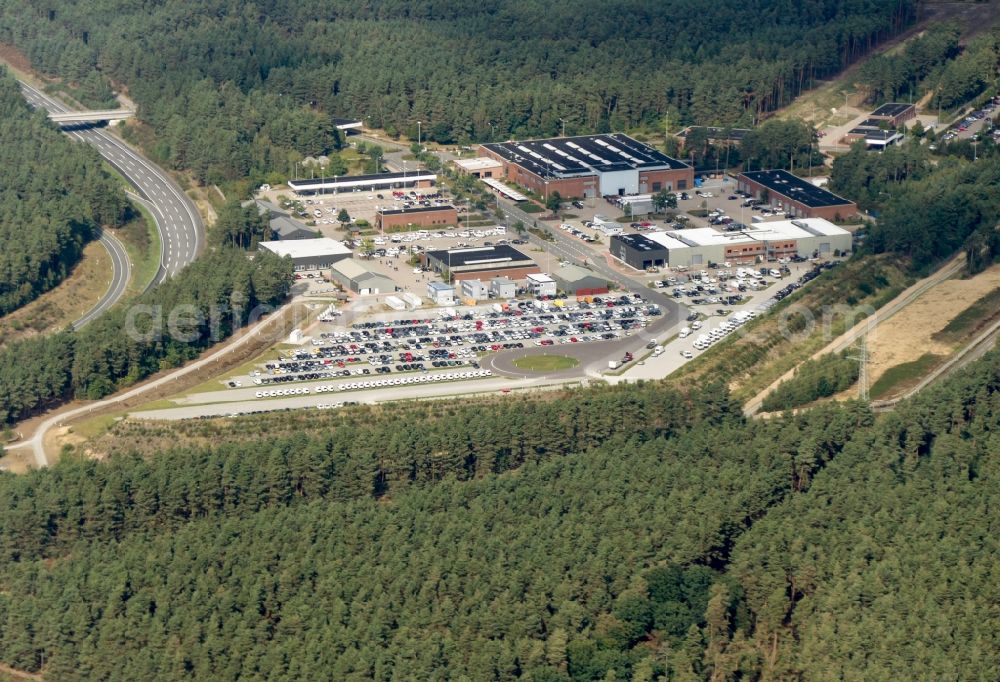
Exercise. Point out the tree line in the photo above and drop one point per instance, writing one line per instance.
(672, 539)
(54, 197)
(165, 327)
(814, 379)
(234, 91)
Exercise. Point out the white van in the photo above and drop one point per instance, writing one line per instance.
(684, 333)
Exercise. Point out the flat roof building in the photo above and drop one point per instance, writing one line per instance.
(359, 277)
(393, 219)
(503, 287)
(896, 113)
(372, 182)
(588, 166)
(797, 197)
(309, 254)
(479, 262)
(541, 284)
(761, 242)
(440, 293)
(877, 133)
(346, 124)
(481, 167)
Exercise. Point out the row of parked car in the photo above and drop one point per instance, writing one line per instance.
(375, 383)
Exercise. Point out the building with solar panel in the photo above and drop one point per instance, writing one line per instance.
(588, 166)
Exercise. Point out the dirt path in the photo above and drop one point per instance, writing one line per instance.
(910, 333)
(886, 312)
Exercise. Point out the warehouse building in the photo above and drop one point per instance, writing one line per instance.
(394, 219)
(589, 166)
(481, 262)
(366, 183)
(358, 277)
(577, 281)
(309, 254)
(725, 136)
(895, 113)
(797, 197)
(284, 228)
(762, 242)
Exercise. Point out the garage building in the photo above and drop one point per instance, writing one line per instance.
(309, 254)
(578, 281)
(797, 197)
(358, 277)
(589, 166)
(484, 262)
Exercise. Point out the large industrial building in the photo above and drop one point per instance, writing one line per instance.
(759, 243)
(588, 166)
(797, 197)
(392, 219)
(366, 183)
(359, 277)
(309, 254)
(485, 262)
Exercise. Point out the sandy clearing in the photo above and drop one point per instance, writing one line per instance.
(908, 335)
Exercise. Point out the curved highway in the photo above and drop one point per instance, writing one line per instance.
(121, 273)
(177, 220)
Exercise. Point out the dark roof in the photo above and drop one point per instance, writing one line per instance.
(892, 109)
(284, 226)
(485, 255)
(787, 185)
(415, 209)
(714, 133)
(876, 123)
(562, 157)
(638, 242)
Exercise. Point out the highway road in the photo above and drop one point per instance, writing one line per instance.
(121, 273)
(177, 219)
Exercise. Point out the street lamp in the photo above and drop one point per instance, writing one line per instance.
(418, 137)
(563, 121)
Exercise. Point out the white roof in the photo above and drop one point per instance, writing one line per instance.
(481, 163)
(504, 189)
(540, 277)
(307, 248)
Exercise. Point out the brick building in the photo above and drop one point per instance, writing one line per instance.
(797, 197)
(394, 219)
(895, 113)
(588, 166)
(484, 262)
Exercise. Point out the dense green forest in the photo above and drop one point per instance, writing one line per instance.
(626, 533)
(165, 327)
(54, 196)
(233, 89)
(814, 379)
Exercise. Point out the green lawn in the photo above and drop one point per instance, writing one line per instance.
(546, 363)
(896, 379)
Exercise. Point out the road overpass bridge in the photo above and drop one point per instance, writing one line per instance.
(91, 116)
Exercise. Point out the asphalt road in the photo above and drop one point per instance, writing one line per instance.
(177, 219)
(121, 273)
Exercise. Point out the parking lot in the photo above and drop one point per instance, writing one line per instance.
(449, 345)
